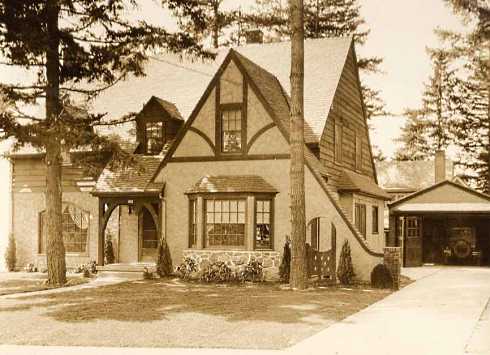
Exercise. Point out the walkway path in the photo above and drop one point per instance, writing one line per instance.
(445, 312)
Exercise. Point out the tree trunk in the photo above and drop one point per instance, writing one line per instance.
(215, 23)
(487, 188)
(297, 166)
(55, 250)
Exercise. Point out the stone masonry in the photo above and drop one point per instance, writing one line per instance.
(237, 260)
(392, 260)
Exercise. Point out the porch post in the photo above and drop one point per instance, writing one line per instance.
(100, 241)
(391, 242)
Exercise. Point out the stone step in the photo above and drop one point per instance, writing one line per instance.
(119, 275)
(135, 268)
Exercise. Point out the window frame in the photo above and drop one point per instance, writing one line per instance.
(225, 197)
(41, 230)
(337, 138)
(270, 199)
(219, 128)
(375, 221)
(163, 131)
(360, 218)
(193, 213)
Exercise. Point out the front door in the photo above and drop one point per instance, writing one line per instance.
(148, 237)
(413, 241)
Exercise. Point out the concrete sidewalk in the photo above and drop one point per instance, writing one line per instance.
(444, 312)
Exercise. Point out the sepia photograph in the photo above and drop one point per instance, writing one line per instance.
(245, 177)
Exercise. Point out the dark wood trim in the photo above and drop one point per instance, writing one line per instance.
(230, 105)
(100, 239)
(205, 137)
(217, 118)
(244, 115)
(126, 195)
(259, 133)
(230, 158)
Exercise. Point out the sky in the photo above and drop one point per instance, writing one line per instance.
(400, 32)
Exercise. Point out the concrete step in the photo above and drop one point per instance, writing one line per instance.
(137, 267)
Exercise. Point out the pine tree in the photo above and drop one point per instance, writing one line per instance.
(345, 270)
(11, 253)
(297, 278)
(431, 127)
(76, 48)
(109, 250)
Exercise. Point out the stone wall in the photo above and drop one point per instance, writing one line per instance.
(237, 260)
(392, 260)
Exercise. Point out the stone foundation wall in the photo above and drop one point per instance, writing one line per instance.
(392, 260)
(237, 260)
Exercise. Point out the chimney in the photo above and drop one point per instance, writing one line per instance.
(440, 166)
(254, 36)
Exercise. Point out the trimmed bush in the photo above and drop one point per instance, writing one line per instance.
(146, 274)
(186, 269)
(109, 250)
(11, 254)
(285, 267)
(164, 261)
(217, 272)
(251, 272)
(345, 271)
(381, 277)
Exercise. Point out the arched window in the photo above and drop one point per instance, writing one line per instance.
(75, 229)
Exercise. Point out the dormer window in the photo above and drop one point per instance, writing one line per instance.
(155, 137)
(231, 129)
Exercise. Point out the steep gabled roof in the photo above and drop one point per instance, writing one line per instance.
(354, 182)
(169, 107)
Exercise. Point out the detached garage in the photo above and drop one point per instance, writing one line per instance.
(446, 223)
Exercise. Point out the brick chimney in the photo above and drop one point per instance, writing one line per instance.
(254, 36)
(440, 166)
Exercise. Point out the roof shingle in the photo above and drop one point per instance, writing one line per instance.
(232, 183)
(354, 182)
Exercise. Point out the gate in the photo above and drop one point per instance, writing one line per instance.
(321, 251)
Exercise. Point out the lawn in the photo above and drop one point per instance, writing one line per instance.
(20, 283)
(171, 313)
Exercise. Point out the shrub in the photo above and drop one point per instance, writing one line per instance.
(217, 272)
(164, 261)
(11, 253)
(109, 250)
(345, 271)
(146, 274)
(86, 269)
(30, 268)
(381, 277)
(251, 272)
(285, 267)
(185, 269)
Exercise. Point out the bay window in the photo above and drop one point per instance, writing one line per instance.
(263, 224)
(225, 223)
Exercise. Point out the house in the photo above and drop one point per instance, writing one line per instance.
(215, 185)
(444, 223)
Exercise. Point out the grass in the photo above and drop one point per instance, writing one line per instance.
(168, 312)
(24, 284)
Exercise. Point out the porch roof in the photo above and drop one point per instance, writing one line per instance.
(133, 179)
(444, 208)
(232, 183)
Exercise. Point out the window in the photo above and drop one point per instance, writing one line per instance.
(263, 224)
(225, 223)
(154, 137)
(413, 227)
(360, 217)
(75, 224)
(358, 152)
(231, 131)
(338, 140)
(375, 216)
(193, 223)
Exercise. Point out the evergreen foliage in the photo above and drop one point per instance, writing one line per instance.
(345, 270)
(11, 253)
(109, 250)
(381, 277)
(164, 261)
(72, 50)
(285, 267)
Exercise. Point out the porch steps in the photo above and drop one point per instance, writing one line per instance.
(124, 271)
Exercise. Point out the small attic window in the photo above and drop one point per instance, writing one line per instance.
(155, 137)
(231, 130)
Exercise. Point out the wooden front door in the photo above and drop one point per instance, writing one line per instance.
(148, 237)
(413, 241)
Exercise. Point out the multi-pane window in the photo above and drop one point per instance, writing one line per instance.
(231, 131)
(375, 216)
(360, 218)
(193, 223)
(75, 224)
(338, 140)
(263, 232)
(358, 152)
(413, 227)
(154, 137)
(225, 223)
